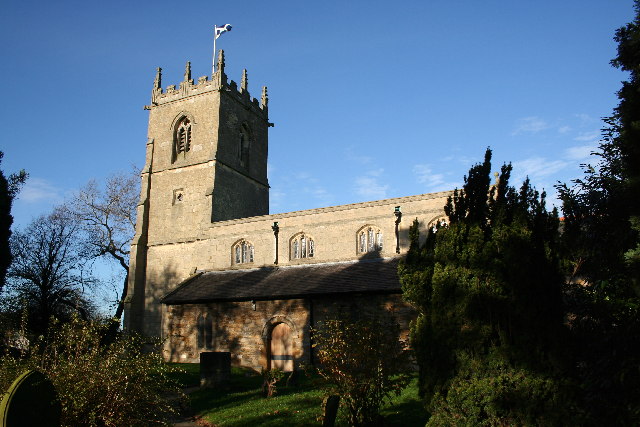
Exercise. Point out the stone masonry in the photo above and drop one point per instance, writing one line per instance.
(205, 192)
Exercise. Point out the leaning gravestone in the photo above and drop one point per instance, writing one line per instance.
(30, 401)
(215, 368)
(330, 404)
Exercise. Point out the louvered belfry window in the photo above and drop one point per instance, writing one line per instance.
(183, 137)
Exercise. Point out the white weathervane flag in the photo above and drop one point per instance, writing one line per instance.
(222, 29)
(218, 31)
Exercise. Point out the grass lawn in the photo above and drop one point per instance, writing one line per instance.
(240, 403)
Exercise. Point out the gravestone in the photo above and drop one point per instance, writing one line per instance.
(30, 401)
(215, 368)
(331, 404)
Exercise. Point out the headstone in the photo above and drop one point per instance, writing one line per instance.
(30, 401)
(292, 379)
(215, 368)
(331, 404)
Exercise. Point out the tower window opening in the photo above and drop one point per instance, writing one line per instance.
(182, 143)
(244, 146)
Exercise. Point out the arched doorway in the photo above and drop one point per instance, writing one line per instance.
(281, 351)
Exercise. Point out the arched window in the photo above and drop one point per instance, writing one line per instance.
(302, 246)
(244, 145)
(205, 332)
(369, 239)
(182, 138)
(243, 252)
(438, 223)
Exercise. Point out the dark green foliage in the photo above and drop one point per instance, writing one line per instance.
(365, 360)
(30, 401)
(505, 396)
(602, 251)
(8, 190)
(115, 385)
(487, 286)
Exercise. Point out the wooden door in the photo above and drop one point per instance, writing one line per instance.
(281, 348)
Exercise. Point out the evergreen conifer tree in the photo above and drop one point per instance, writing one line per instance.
(602, 251)
(488, 290)
(8, 190)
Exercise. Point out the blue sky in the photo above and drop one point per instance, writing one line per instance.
(370, 99)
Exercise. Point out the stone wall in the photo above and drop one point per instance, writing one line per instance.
(334, 229)
(193, 209)
(244, 329)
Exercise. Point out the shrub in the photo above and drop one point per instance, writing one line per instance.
(98, 385)
(270, 378)
(366, 362)
(505, 396)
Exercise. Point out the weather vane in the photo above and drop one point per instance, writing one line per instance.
(218, 31)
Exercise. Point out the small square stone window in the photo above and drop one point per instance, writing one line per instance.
(178, 196)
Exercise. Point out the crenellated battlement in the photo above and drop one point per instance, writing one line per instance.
(218, 82)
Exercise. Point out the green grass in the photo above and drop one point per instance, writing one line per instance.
(187, 375)
(240, 403)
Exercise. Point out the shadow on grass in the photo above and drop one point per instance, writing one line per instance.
(240, 402)
(409, 413)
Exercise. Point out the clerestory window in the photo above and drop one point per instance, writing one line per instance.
(302, 246)
(370, 239)
(438, 223)
(243, 252)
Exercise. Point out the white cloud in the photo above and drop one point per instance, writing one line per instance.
(564, 129)
(37, 190)
(538, 167)
(297, 190)
(434, 181)
(584, 118)
(276, 198)
(368, 187)
(320, 194)
(531, 124)
(425, 175)
(355, 155)
(580, 152)
(588, 136)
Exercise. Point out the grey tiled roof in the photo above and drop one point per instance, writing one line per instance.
(269, 283)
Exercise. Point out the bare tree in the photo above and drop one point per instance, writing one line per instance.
(47, 272)
(107, 216)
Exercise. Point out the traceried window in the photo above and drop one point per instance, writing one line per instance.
(243, 252)
(369, 239)
(182, 138)
(438, 223)
(205, 331)
(302, 246)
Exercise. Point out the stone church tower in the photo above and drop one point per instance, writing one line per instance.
(206, 161)
(212, 270)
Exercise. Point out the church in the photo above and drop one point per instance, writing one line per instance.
(212, 270)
